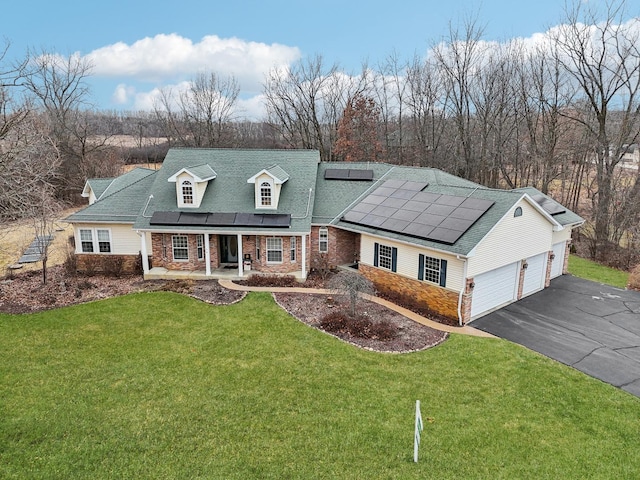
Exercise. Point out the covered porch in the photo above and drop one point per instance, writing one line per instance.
(161, 273)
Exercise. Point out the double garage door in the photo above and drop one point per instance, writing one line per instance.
(500, 286)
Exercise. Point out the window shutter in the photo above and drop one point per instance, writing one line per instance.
(420, 267)
(443, 273)
(375, 254)
(394, 259)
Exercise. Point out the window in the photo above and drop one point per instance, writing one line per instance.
(200, 246)
(432, 270)
(180, 245)
(385, 256)
(187, 192)
(104, 241)
(517, 212)
(93, 241)
(323, 240)
(265, 194)
(274, 250)
(86, 241)
(293, 249)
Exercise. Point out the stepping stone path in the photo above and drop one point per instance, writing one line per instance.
(34, 252)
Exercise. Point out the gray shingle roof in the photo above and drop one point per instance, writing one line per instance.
(230, 192)
(307, 196)
(121, 201)
(566, 218)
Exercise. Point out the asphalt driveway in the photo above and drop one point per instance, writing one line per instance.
(592, 327)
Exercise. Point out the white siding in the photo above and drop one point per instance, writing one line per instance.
(408, 259)
(513, 239)
(124, 240)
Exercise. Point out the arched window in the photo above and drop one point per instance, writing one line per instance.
(517, 212)
(187, 192)
(265, 194)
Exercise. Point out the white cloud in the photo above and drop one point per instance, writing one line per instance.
(122, 94)
(168, 57)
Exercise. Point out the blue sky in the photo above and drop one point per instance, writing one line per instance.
(137, 46)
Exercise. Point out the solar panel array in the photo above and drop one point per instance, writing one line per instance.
(193, 219)
(348, 174)
(403, 207)
(548, 205)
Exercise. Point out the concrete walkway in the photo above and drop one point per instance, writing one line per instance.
(466, 330)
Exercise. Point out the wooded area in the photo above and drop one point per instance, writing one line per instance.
(560, 117)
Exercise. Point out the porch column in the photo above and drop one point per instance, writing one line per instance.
(143, 252)
(207, 255)
(304, 256)
(240, 256)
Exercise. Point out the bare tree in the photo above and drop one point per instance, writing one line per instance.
(305, 103)
(200, 116)
(351, 285)
(602, 58)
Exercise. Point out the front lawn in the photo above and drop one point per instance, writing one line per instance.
(159, 385)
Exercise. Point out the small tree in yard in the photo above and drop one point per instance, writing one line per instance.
(351, 285)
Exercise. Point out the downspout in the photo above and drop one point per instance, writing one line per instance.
(462, 290)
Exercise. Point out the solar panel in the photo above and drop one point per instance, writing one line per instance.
(549, 205)
(336, 174)
(403, 207)
(188, 218)
(164, 218)
(365, 175)
(221, 219)
(352, 174)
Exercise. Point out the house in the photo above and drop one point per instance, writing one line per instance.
(454, 247)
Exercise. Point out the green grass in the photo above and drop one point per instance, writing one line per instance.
(590, 270)
(158, 385)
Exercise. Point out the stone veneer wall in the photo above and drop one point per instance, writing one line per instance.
(429, 297)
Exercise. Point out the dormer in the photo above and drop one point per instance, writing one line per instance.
(268, 184)
(191, 183)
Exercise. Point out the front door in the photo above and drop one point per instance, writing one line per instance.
(228, 249)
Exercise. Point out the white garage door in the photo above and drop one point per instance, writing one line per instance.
(558, 261)
(534, 274)
(495, 288)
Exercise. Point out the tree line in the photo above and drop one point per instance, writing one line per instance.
(559, 115)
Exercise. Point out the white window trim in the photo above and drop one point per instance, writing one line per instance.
(430, 272)
(173, 248)
(292, 249)
(323, 238)
(200, 246)
(180, 192)
(95, 242)
(261, 198)
(386, 258)
(273, 262)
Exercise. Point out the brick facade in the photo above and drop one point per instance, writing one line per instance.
(163, 254)
(343, 246)
(429, 297)
(92, 262)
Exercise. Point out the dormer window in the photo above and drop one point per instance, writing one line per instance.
(187, 192)
(265, 194)
(268, 186)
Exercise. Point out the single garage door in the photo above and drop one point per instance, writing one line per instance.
(494, 289)
(558, 261)
(534, 274)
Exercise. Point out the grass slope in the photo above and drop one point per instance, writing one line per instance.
(590, 270)
(159, 385)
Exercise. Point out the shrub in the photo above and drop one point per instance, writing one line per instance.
(360, 326)
(271, 281)
(634, 278)
(178, 286)
(113, 265)
(90, 264)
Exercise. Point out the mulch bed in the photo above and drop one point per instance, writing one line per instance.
(25, 293)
